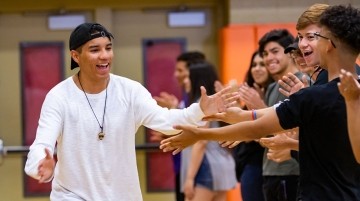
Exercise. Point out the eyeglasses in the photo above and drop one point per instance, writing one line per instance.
(317, 34)
(308, 36)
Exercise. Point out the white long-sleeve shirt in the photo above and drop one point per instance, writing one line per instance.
(93, 169)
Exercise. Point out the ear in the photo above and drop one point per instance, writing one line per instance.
(329, 46)
(75, 55)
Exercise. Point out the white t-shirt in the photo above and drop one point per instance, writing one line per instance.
(93, 169)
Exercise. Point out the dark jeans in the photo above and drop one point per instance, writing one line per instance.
(203, 176)
(179, 195)
(280, 188)
(251, 181)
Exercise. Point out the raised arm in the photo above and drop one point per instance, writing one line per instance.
(286, 140)
(235, 115)
(267, 122)
(350, 89)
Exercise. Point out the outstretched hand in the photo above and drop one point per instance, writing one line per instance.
(348, 86)
(279, 155)
(46, 167)
(187, 137)
(231, 115)
(216, 102)
(291, 84)
(281, 141)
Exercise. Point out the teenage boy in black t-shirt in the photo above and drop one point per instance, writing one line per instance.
(328, 169)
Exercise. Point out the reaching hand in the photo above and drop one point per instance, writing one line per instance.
(280, 141)
(187, 137)
(231, 115)
(167, 100)
(349, 87)
(214, 103)
(279, 155)
(291, 84)
(218, 86)
(46, 167)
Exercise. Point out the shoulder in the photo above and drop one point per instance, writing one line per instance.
(322, 77)
(316, 93)
(61, 93)
(120, 80)
(62, 87)
(271, 87)
(126, 86)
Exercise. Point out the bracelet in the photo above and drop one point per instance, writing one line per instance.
(253, 114)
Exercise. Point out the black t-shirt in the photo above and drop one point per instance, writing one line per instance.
(322, 77)
(328, 169)
(357, 68)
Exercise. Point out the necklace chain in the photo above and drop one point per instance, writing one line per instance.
(317, 69)
(100, 125)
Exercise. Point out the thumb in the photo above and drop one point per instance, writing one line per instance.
(203, 91)
(48, 154)
(264, 140)
(305, 81)
(256, 86)
(179, 127)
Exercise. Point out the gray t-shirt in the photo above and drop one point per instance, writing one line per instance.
(272, 168)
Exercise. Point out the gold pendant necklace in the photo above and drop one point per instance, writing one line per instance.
(101, 135)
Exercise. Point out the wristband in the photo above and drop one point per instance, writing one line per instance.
(253, 114)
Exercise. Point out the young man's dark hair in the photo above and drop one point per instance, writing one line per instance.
(281, 36)
(343, 28)
(192, 57)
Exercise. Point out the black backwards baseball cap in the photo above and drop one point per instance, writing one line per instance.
(84, 33)
(292, 46)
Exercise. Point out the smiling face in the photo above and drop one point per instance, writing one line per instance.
(181, 72)
(258, 71)
(94, 58)
(300, 61)
(276, 61)
(308, 44)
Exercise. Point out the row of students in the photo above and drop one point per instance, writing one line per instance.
(328, 168)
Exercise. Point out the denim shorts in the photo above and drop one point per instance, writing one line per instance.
(204, 177)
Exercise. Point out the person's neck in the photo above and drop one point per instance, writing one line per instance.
(90, 86)
(338, 62)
